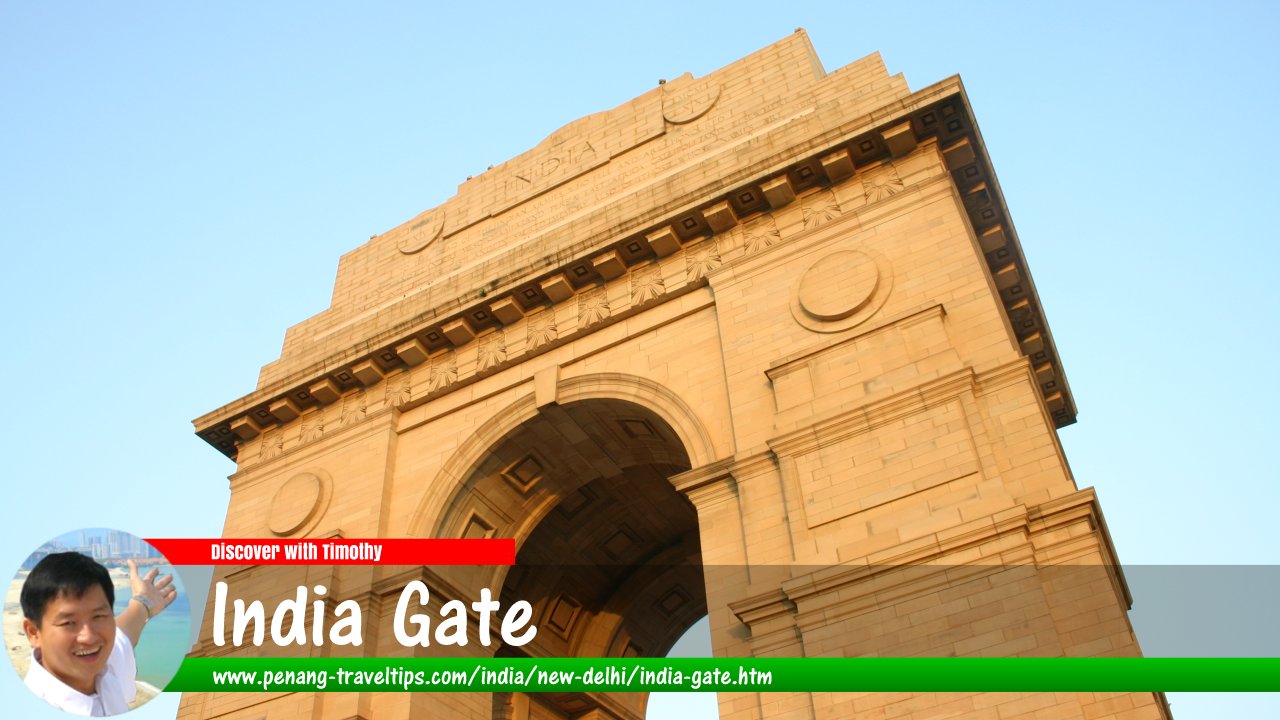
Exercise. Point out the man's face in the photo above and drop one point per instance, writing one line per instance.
(75, 637)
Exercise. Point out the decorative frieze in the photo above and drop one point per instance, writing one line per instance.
(492, 351)
(444, 372)
(353, 408)
(272, 444)
(646, 284)
(542, 328)
(593, 307)
(881, 183)
(701, 258)
(760, 234)
(398, 392)
(819, 209)
(312, 426)
(744, 216)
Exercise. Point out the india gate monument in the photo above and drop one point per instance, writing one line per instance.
(761, 345)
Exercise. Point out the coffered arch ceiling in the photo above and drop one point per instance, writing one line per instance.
(608, 552)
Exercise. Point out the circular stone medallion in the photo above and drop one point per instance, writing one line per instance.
(422, 233)
(838, 285)
(298, 501)
(690, 102)
(841, 289)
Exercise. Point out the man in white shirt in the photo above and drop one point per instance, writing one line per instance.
(80, 664)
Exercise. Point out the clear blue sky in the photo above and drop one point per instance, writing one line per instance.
(177, 183)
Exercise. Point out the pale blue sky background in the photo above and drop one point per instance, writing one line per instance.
(177, 183)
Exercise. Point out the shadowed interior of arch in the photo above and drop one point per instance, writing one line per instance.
(608, 551)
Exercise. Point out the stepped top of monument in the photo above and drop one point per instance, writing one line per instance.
(520, 215)
(531, 231)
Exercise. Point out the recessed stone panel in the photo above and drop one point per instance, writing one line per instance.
(620, 542)
(477, 528)
(672, 601)
(576, 502)
(562, 613)
(524, 473)
(637, 427)
(886, 462)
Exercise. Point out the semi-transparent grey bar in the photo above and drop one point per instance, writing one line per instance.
(885, 610)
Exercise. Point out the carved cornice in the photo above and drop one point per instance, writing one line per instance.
(707, 484)
(790, 363)
(850, 422)
(1008, 540)
(1082, 505)
(609, 276)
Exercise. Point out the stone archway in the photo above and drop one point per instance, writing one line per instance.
(663, 428)
(608, 553)
(790, 298)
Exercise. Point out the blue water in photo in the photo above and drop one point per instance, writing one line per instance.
(167, 637)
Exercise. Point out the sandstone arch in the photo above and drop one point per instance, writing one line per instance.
(811, 296)
(650, 398)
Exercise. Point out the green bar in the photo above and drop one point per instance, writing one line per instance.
(729, 675)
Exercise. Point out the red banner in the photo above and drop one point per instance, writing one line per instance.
(333, 551)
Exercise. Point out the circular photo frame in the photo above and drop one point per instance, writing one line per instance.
(96, 622)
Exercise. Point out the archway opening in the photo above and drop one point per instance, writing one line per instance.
(688, 705)
(608, 552)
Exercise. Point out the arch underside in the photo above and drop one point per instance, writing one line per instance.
(608, 552)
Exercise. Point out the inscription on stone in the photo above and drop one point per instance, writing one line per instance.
(688, 100)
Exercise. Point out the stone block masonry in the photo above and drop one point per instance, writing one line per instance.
(761, 345)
